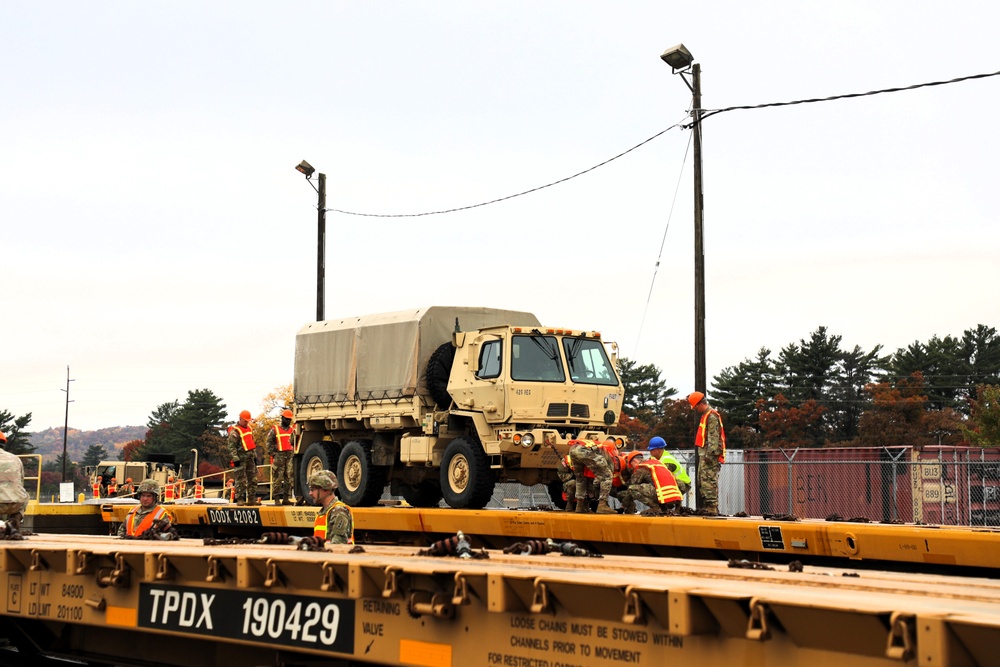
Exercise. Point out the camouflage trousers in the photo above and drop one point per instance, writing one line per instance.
(708, 476)
(281, 472)
(645, 494)
(246, 477)
(565, 475)
(588, 458)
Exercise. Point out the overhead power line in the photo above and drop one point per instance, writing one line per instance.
(500, 199)
(705, 114)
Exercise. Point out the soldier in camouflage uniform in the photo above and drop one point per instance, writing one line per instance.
(148, 514)
(710, 442)
(587, 455)
(334, 521)
(564, 471)
(243, 455)
(13, 497)
(642, 486)
(658, 450)
(280, 448)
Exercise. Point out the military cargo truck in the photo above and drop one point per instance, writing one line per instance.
(135, 470)
(446, 402)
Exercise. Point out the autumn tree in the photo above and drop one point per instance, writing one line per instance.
(983, 428)
(897, 413)
(130, 448)
(280, 398)
(787, 426)
(736, 393)
(677, 424)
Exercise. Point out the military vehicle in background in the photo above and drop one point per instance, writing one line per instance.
(446, 402)
(158, 468)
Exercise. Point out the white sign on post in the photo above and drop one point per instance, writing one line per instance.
(66, 492)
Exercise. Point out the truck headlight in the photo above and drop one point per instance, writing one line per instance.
(527, 440)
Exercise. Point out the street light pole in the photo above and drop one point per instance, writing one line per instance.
(307, 169)
(321, 251)
(681, 62)
(700, 379)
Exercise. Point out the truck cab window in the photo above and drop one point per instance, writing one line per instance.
(588, 362)
(536, 358)
(489, 360)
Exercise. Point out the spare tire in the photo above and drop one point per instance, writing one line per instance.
(437, 373)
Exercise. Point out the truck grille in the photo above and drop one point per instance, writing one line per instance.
(576, 410)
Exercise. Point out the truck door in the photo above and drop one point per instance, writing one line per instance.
(483, 388)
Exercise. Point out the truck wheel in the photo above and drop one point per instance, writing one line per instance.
(424, 494)
(361, 481)
(466, 478)
(437, 374)
(316, 458)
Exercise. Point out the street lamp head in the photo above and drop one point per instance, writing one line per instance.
(305, 168)
(678, 57)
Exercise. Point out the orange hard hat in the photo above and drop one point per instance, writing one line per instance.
(3, 438)
(128, 480)
(245, 415)
(695, 397)
(631, 457)
(287, 414)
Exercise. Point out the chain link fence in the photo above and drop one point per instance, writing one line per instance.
(949, 486)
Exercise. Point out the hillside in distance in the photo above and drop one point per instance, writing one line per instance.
(49, 443)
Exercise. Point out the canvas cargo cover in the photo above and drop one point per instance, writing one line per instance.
(381, 356)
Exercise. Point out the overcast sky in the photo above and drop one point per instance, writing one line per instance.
(156, 238)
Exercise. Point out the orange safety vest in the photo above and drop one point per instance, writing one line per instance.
(168, 491)
(699, 438)
(663, 481)
(319, 528)
(97, 489)
(284, 437)
(132, 530)
(246, 437)
(199, 489)
(112, 488)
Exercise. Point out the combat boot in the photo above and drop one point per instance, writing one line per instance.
(628, 507)
(604, 508)
(571, 505)
(582, 507)
(708, 510)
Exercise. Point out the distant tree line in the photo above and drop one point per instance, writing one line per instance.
(816, 393)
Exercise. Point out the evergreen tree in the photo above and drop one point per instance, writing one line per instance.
(941, 363)
(848, 399)
(981, 351)
(644, 390)
(13, 428)
(94, 455)
(176, 428)
(737, 390)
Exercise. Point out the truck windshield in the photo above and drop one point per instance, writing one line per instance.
(588, 362)
(535, 358)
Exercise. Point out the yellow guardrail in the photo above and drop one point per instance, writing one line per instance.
(37, 478)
